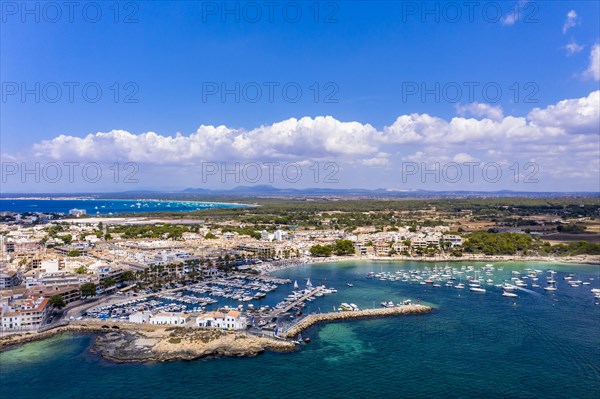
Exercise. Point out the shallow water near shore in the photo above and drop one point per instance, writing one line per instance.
(537, 345)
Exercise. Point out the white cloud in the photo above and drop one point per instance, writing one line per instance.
(573, 48)
(290, 139)
(562, 137)
(513, 16)
(577, 116)
(464, 157)
(382, 159)
(481, 110)
(593, 70)
(571, 21)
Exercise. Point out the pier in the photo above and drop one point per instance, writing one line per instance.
(313, 319)
(289, 306)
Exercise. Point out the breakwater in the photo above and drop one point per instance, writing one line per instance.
(313, 319)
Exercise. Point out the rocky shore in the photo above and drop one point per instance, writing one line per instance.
(313, 319)
(182, 344)
(121, 342)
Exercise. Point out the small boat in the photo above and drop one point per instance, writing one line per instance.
(350, 285)
(477, 289)
(460, 286)
(550, 288)
(307, 340)
(509, 294)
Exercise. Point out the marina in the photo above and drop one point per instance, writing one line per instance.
(462, 333)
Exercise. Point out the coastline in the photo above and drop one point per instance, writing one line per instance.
(126, 342)
(91, 198)
(143, 342)
(271, 267)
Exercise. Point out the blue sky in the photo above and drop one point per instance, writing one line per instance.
(363, 58)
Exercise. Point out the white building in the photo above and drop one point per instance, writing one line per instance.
(10, 320)
(140, 317)
(232, 320)
(279, 235)
(454, 240)
(169, 318)
(77, 212)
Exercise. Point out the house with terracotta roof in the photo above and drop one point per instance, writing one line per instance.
(23, 314)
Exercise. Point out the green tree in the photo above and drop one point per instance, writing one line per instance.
(57, 301)
(88, 289)
(343, 247)
(81, 270)
(108, 282)
(210, 236)
(321, 250)
(127, 276)
(74, 253)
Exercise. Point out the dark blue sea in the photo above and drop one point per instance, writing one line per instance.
(539, 345)
(107, 206)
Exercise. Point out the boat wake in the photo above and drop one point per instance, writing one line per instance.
(532, 292)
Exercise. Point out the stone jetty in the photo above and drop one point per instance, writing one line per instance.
(313, 319)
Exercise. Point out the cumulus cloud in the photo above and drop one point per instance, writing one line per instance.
(562, 137)
(571, 21)
(573, 48)
(290, 139)
(577, 116)
(593, 70)
(481, 110)
(326, 137)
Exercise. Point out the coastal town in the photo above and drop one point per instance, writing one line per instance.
(57, 269)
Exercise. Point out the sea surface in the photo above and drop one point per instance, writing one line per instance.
(472, 346)
(106, 206)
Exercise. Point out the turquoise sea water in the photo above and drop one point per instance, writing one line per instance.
(106, 206)
(471, 346)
